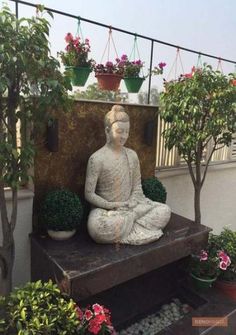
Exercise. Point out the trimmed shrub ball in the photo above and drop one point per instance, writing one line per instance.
(61, 210)
(154, 190)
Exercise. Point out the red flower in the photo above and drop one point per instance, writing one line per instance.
(88, 314)
(98, 309)
(233, 82)
(94, 326)
(79, 313)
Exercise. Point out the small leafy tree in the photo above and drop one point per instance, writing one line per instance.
(30, 84)
(201, 108)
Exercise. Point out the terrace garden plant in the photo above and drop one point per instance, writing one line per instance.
(201, 108)
(61, 213)
(75, 59)
(132, 78)
(30, 84)
(109, 74)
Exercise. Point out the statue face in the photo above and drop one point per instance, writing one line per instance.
(118, 133)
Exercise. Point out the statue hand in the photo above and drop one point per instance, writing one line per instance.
(132, 203)
(119, 204)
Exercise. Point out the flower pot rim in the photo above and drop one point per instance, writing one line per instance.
(202, 279)
(143, 78)
(108, 74)
(77, 67)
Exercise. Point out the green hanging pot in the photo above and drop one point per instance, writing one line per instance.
(201, 283)
(79, 75)
(133, 84)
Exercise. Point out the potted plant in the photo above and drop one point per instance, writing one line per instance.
(207, 265)
(154, 189)
(200, 108)
(226, 241)
(61, 213)
(40, 308)
(132, 79)
(75, 59)
(109, 75)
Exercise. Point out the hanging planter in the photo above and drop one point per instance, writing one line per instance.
(75, 58)
(79, 75)
(108, 81)
(133, 84)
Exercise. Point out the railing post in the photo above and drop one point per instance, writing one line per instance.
(150, 73)
(16, 8)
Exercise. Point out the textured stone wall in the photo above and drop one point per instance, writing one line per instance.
(81, 132)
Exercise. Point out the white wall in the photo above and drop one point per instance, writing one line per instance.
(218, 199)
(21, 271)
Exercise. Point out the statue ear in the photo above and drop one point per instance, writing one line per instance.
(107, 129)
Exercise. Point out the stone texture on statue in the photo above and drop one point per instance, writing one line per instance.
(120, 212)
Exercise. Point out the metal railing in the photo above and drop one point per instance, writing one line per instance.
(152, 40)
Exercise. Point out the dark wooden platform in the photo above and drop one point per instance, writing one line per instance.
(83, 268)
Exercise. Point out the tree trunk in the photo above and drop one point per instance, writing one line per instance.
(7, 256)
(197, 193)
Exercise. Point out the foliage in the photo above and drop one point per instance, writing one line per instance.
(76, 53)
(94, 93)
(61, 210)
(110, 67)
(95, 320)
(209, 263)
(201, 108)
(226, 241)
(154, 189)
(131, 68)
(30, 84)
(38, 308)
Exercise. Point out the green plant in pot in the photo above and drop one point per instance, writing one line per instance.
(226, 241)
(75, 59)
(206, 266)
(154, 189)
(61, 213)
(38, 309)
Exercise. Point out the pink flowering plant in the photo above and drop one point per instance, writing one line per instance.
(95, 320)
(131, 68)
(210, 262)
(158, 69)
(109, 67)
(76, 52)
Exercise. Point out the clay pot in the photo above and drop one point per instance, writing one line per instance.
(108, 81)
(228, 288)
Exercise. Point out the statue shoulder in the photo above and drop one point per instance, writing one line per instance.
(96, 158)
(132, 154)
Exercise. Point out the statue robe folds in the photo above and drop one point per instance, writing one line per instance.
(110, 180)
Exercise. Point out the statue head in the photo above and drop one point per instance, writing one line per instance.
(117, 126)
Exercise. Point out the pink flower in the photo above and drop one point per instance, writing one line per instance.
(203, 255)
(124, 57)
(224, 257)
(69, 38)
(88, 314)
(109, 64)
(98, 309)
(161, 65)
(86, 41)
(223, 265)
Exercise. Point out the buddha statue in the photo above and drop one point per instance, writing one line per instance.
(120, 212)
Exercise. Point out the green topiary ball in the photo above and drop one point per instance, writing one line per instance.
(61, 210)
(154, 190)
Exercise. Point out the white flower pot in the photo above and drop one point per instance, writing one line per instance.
(61, 234)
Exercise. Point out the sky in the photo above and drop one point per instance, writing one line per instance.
(207, 26)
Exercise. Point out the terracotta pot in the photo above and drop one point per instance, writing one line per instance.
(61, 235)
(108, 81)
(228, 288)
